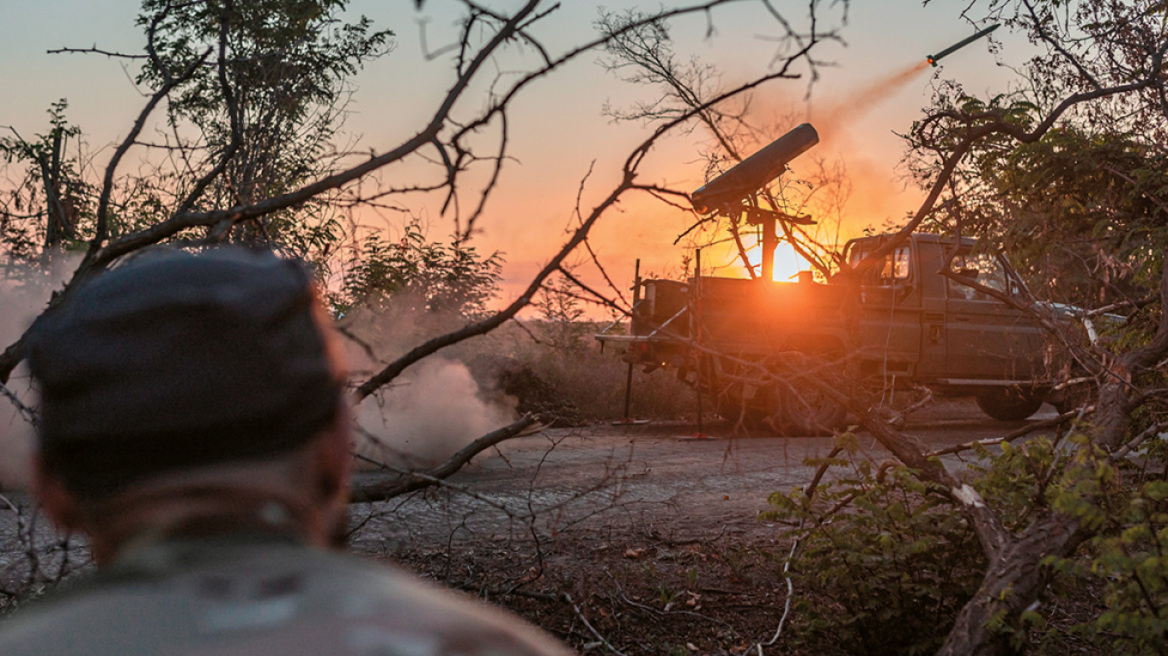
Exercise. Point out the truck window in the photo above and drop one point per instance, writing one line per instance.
(895, 269)
(984, 269)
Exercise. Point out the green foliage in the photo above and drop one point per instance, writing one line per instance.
(1127, 557)
(50, 204)
(284, 57)
(1133, 562)
(888, 551)
(1017, 481)
(287, 64)
(1081, 210)
(417, 277)
(1075, 189)
(885, 559)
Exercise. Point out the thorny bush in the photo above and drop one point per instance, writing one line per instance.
(888, 551)
(1127, 560)
(897, 560)
(1126, 504)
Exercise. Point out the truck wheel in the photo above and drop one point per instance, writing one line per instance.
(1009, 403)
(808, 412)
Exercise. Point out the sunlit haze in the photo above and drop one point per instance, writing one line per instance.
(870, 87)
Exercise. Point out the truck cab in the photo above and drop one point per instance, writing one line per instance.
(938, 330)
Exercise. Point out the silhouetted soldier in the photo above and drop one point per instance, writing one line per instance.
(193, 426)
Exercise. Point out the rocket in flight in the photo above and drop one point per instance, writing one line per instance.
(933, 59)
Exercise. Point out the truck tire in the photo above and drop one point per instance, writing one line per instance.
(808, 412)
(1010, 403)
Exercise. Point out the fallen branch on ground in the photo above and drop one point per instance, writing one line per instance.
(381, 490)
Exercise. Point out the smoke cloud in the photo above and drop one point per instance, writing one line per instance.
(24, 293)
(434, 408)
(877, 199)
(429, 413)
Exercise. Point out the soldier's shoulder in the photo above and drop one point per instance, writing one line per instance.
(43, 625)
(401, 603)
(275, 600)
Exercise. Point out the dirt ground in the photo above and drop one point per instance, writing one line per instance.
(632, 539)
(629, 539)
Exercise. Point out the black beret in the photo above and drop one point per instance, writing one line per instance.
(176, 360)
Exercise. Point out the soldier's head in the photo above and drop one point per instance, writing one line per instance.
(191, 392)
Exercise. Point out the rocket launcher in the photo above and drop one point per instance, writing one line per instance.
(753, 173)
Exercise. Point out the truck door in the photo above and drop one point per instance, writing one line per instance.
(988, 339)
(890, 319)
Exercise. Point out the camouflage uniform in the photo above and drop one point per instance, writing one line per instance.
(256, 594)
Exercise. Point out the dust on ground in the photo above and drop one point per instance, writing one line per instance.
(630, 539)
(618, 539)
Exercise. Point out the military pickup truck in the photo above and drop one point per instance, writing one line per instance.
(910, 327)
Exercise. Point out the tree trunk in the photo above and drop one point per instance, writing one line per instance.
(1013, 582)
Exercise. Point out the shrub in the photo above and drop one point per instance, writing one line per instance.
(884, 561)
(1128, 558)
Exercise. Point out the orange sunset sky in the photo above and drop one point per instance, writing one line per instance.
(870, 87)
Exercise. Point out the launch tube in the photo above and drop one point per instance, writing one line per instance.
(754, 172)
